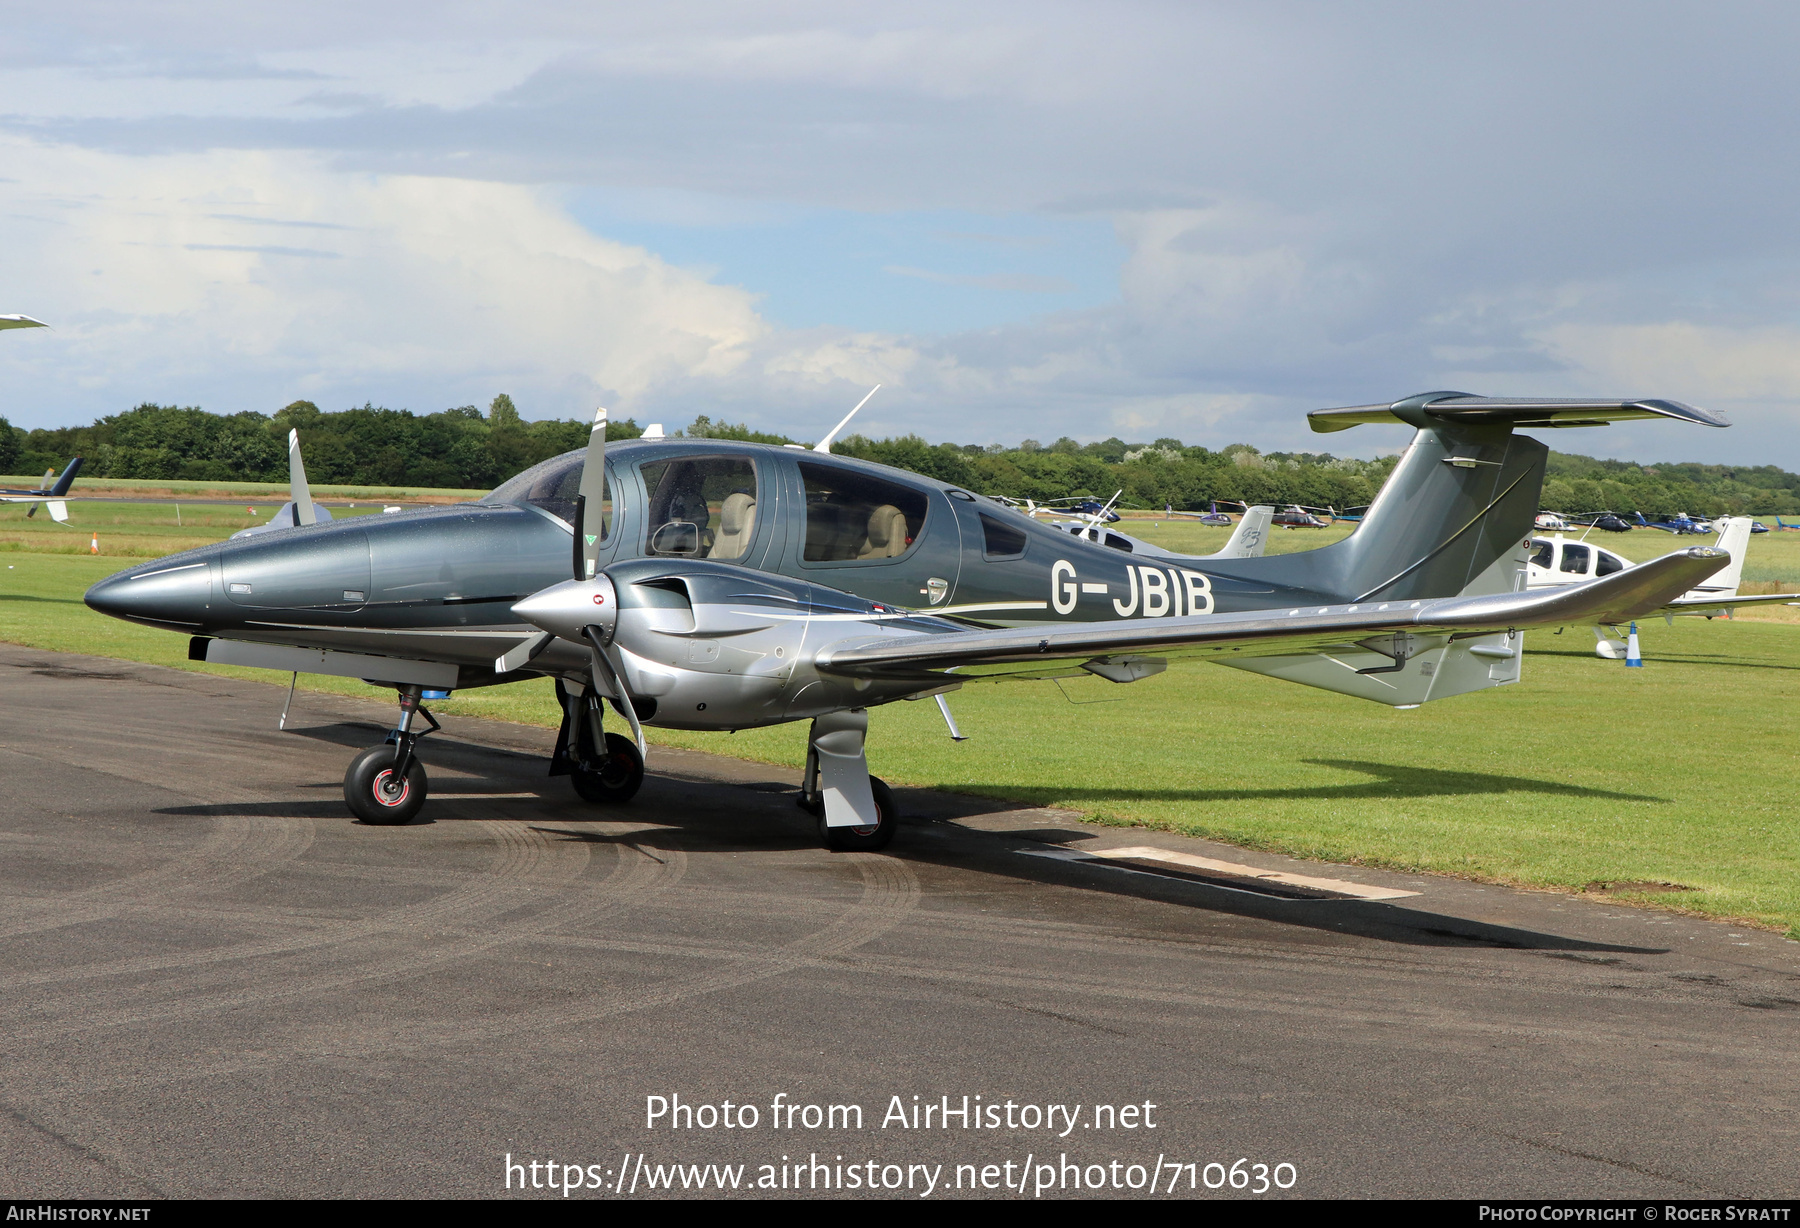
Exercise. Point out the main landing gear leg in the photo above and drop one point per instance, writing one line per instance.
(856, 811)
(386, 787)
(603, 767)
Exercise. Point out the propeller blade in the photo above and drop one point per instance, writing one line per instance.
(521, 654)
(614, 680)
(592, 496)
(298, 490)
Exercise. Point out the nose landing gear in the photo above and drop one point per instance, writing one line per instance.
(386, 785)
(850, 820)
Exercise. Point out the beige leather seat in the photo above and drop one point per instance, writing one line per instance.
(887, 534)
(737, 524)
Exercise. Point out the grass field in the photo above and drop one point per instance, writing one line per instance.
(162, 488)
(1679, 774)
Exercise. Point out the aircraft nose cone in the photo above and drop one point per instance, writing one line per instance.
(172, 594)
(566, 609)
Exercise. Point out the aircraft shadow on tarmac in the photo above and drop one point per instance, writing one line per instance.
(1385, 920)
(714, 822)
(317, 809)
(1391, 782)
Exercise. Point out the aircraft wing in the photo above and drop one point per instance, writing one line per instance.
(1699, 605)
(21, 322)
(1628, 594)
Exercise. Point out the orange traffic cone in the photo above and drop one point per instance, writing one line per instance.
(95, 544)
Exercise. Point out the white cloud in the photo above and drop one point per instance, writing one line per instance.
(162, 283)
(1683, 360)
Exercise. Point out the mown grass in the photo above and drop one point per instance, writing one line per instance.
(1587, 772)
(170, 487)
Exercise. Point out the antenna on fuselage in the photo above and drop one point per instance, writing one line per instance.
(824, 445)
(298, 490)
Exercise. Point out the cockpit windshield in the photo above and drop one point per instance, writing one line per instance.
(553, 485)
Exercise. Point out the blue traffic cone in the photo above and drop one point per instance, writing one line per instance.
(1632, 658)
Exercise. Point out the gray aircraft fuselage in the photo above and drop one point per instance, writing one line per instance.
(438, 584)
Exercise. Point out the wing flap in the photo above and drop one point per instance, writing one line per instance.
(1627, 594)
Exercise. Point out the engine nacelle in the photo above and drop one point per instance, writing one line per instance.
(711, 646)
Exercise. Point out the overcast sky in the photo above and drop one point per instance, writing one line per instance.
(1185, 219)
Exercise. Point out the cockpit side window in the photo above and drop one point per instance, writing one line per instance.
(1574, 559)
(852, 516)
(1000, 540)
(1608, 564)
(1545, 553)
(553, 486)
(700, 507)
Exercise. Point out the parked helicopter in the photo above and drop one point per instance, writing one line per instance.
(1606, 522)
(1681, 522)
(721, 585)
(1297, 517)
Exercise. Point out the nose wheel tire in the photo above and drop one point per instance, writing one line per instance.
(375, 797)
(870, 839)
(616, 778)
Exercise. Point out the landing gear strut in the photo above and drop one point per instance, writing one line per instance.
(856, 811)
(603, 767)
(385, 785)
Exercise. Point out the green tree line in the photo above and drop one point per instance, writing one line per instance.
(467, 449)
(456, 448)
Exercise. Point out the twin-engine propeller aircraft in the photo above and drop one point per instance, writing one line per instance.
(51, 495)
(723, 586)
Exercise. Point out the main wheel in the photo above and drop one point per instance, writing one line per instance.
(618, 776)
(869, 839)
(374, 796)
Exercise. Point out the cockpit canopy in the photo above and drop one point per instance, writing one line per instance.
(551, 485)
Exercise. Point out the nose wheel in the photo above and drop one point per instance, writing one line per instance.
(614, 778)
(378, 795)
(385, 785)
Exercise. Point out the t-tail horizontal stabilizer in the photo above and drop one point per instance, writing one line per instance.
(1436, 408)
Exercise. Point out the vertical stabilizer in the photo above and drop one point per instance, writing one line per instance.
(1462, 499)
(1251, 536)
(1734, 538)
